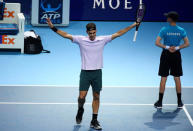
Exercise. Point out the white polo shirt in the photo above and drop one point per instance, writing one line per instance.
(91, 51)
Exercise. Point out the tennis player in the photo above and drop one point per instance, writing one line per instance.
(91, 49)
(171, 61)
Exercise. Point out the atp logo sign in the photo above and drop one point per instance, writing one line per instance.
(50, 9)
(8, 14)
(4, 39)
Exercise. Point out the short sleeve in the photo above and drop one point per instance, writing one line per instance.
(162, 33)
(184, 34)
(107, 39)
(76, 39)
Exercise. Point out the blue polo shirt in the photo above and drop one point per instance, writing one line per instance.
(172, 35)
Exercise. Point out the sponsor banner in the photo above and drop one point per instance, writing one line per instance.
(119, 9)
(126, 9)
(8, 14)
(4, 39)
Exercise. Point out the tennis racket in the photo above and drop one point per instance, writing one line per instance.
(139, 17)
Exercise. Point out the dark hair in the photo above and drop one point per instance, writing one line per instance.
(90, 26)
(173, 15)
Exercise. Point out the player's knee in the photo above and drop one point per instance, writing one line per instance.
(81, 101)
(96, 97)
(176, 78)
(82, 95)
(164, 78)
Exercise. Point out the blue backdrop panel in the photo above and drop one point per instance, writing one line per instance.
(123, 10)
(84, 9)
(53, 9)
(25, 7)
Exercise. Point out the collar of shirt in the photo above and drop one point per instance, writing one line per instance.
(88, 40)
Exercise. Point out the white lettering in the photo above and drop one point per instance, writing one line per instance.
(56, 16)
(173, 34)
(45, 16)
(50, 16)
(98, 2)
(126, 5)
(110, 4)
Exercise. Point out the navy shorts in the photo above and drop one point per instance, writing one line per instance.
(91, 78)
(170, 64)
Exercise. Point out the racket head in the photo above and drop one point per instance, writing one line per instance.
(139, 18)
(140, 13)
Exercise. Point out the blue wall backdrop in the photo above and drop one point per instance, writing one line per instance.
(120, 9)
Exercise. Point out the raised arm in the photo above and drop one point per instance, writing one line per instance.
(123, 31)
(60, 32)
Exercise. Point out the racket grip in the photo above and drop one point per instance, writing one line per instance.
(135, 36)
(140, 2)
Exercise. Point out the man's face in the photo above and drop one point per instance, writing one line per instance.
(169, 20)
(92, 34)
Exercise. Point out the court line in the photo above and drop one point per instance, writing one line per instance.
(188, 115)
(104, 104)
(63, 103)
(62, 86)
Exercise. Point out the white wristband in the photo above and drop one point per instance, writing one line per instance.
(167, 47)
(177, 47)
